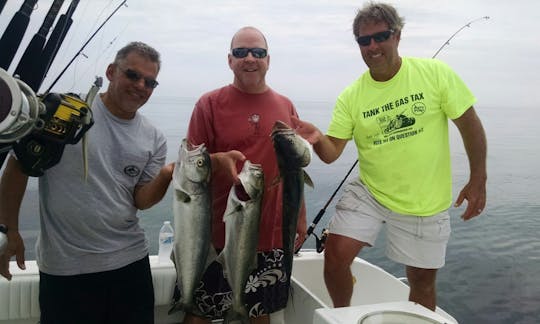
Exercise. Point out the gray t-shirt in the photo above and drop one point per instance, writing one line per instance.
(92, 226)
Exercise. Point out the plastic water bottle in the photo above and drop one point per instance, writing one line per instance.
(166, 238)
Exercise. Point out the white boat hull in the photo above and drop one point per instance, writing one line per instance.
(375, 292)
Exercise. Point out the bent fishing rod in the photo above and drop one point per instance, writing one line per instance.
(450, 38)
(320, 241)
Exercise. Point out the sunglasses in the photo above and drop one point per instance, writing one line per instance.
(242, 52)
(377, 37)
(136, 76)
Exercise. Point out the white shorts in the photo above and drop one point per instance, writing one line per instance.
(418, 241)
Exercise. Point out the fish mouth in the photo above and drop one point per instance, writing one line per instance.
(190, 150)
(241, 193)
(281, 128)
(251, 182)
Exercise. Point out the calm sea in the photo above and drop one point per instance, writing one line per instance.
(492, 272)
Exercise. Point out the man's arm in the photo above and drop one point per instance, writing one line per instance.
(12, 189)
(328, 148)
(474, 140)
(151, 193)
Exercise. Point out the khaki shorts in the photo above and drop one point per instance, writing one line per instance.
(418, 241)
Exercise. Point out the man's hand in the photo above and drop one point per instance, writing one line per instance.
(225, 162)
(475, 194)
(307, 130)
(15, 248)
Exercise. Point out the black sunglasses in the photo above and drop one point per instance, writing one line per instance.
(242, 52)
(136, 76)
(377, 37)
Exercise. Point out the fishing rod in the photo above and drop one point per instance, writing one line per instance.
(28, 64)
(14, 32)
(52, 46)
(38, 127)
(320, 241)
(463, 27)
(82, 48)
(2, 4)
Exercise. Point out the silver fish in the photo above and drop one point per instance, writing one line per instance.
(193, 250)
(293, 153)
(241, 217)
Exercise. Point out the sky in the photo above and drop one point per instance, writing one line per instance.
(313, 55)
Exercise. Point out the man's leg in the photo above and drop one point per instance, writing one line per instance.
(422, 284)
(131, 293)
(69, 299)
(339, 254)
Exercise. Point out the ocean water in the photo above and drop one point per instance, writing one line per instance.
(493, 261)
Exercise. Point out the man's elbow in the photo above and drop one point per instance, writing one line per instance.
(327, 159)
(142, 206)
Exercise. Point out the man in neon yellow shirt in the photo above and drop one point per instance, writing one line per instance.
(397, 113)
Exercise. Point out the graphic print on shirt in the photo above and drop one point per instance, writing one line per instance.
(132, 171)
(254, 121)
(396, 119)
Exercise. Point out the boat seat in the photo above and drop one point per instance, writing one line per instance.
(19, 298)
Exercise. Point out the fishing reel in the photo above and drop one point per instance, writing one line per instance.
(37, 128)
(320, 241)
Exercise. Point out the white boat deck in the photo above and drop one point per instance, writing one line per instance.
(375, 290)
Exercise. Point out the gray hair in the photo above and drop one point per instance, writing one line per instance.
(373, 12)
(141, 49)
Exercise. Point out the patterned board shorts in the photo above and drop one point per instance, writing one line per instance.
(267, 288)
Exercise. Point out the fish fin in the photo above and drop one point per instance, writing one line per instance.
(182, 196)
(254, 262)
(176, 307)
(307, 180)
(233, 209)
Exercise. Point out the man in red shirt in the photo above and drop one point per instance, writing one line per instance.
(235, 122)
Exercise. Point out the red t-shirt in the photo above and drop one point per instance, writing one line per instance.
(228, 119)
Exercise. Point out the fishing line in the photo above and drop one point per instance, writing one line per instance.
(75, 32)
(104, 54)
(320, 241)
(82, 48)
(97, 64)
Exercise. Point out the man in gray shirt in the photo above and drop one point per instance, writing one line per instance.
(91, 251)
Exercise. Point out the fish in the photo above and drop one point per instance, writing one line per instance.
(87, 119)
(242, 218)
(293, 153)
(192, 250)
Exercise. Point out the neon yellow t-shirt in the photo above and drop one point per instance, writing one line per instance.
(400, 128)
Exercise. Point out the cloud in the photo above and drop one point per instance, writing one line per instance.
(313, 53)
